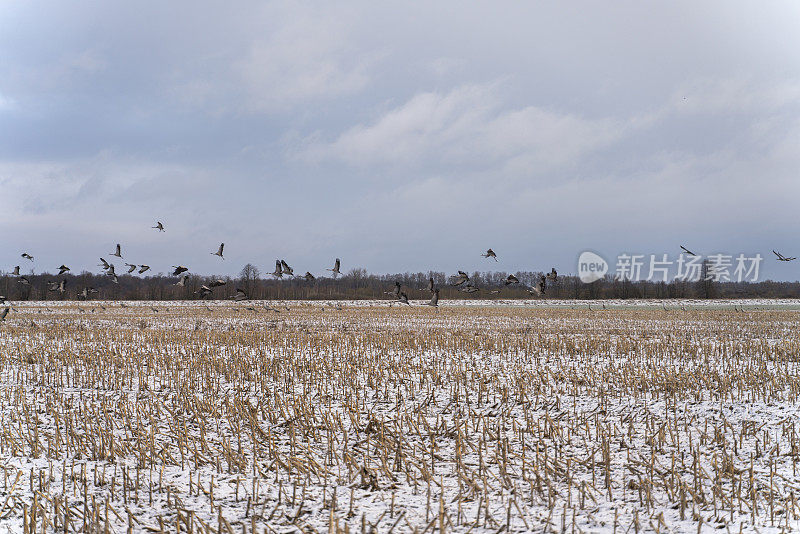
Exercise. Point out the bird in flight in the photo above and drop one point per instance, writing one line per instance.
(490, 254)
(179, 269)
(539, 288)
(552, 275)
(217, 283)
(469, 288)
(86, 291)
(143, 268)
(16, 271)
(781, 257)
(57, 286)
(396, 291)
(117, 252)
(24, 281)
(62, 269)
(286, 269)
(219, 251)
(335, 269)
(240, 295)
(278, 273)
(309, 277)
(27, 256)
(182, 281)
(204, 291)
(131, 267)
(689, 252)
(104, 264)
(403, 298)
(4, 314)
(461, 278)
(431, 287)
(159, 226)
(511, 279)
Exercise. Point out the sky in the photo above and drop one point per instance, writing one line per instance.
(398, 136)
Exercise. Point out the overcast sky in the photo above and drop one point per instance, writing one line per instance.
(397, 136)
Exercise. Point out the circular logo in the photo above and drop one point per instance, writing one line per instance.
(591, 267)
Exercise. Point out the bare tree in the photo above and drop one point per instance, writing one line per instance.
(249, 276)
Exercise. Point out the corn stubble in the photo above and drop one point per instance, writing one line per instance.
(378, 418)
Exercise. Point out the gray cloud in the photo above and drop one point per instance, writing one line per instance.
(397, 136)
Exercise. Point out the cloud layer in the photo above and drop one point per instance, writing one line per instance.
(397, 137)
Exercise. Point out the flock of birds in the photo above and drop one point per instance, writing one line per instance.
(778, 255)
(462, 280)
(282, 268)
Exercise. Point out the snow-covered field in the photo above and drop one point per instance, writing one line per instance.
(480, 416)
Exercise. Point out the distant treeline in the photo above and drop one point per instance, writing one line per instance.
(358, 284)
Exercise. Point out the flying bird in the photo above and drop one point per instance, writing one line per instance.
(781, 257)
(27, 256)
(539, 288)
(552, 275)
(131, 267)
(431, 288)
(143, 268)
(182, 281)
(87, 291)
(469, 288)
(204, 291)
(4, 314)
(309, 277)
(490, 254)
(396, 291)
(62, 269)
(403, 298)
(219, 251)
(159, 226)
(118, 252)
(335, 269)
(286, 269)
(240, 295)
(217, 283)
(689, 252)
(15, 272)
(179, 269)
(534, 291)
(511, 279)
(278, 273)
(104, 264)
(113, 276)
(461, 279)
(434, 299)
(57, 286)
(24, 281)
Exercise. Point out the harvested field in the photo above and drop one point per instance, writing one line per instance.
(283, 417)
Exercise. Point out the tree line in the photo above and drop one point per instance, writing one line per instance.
(358, 284)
